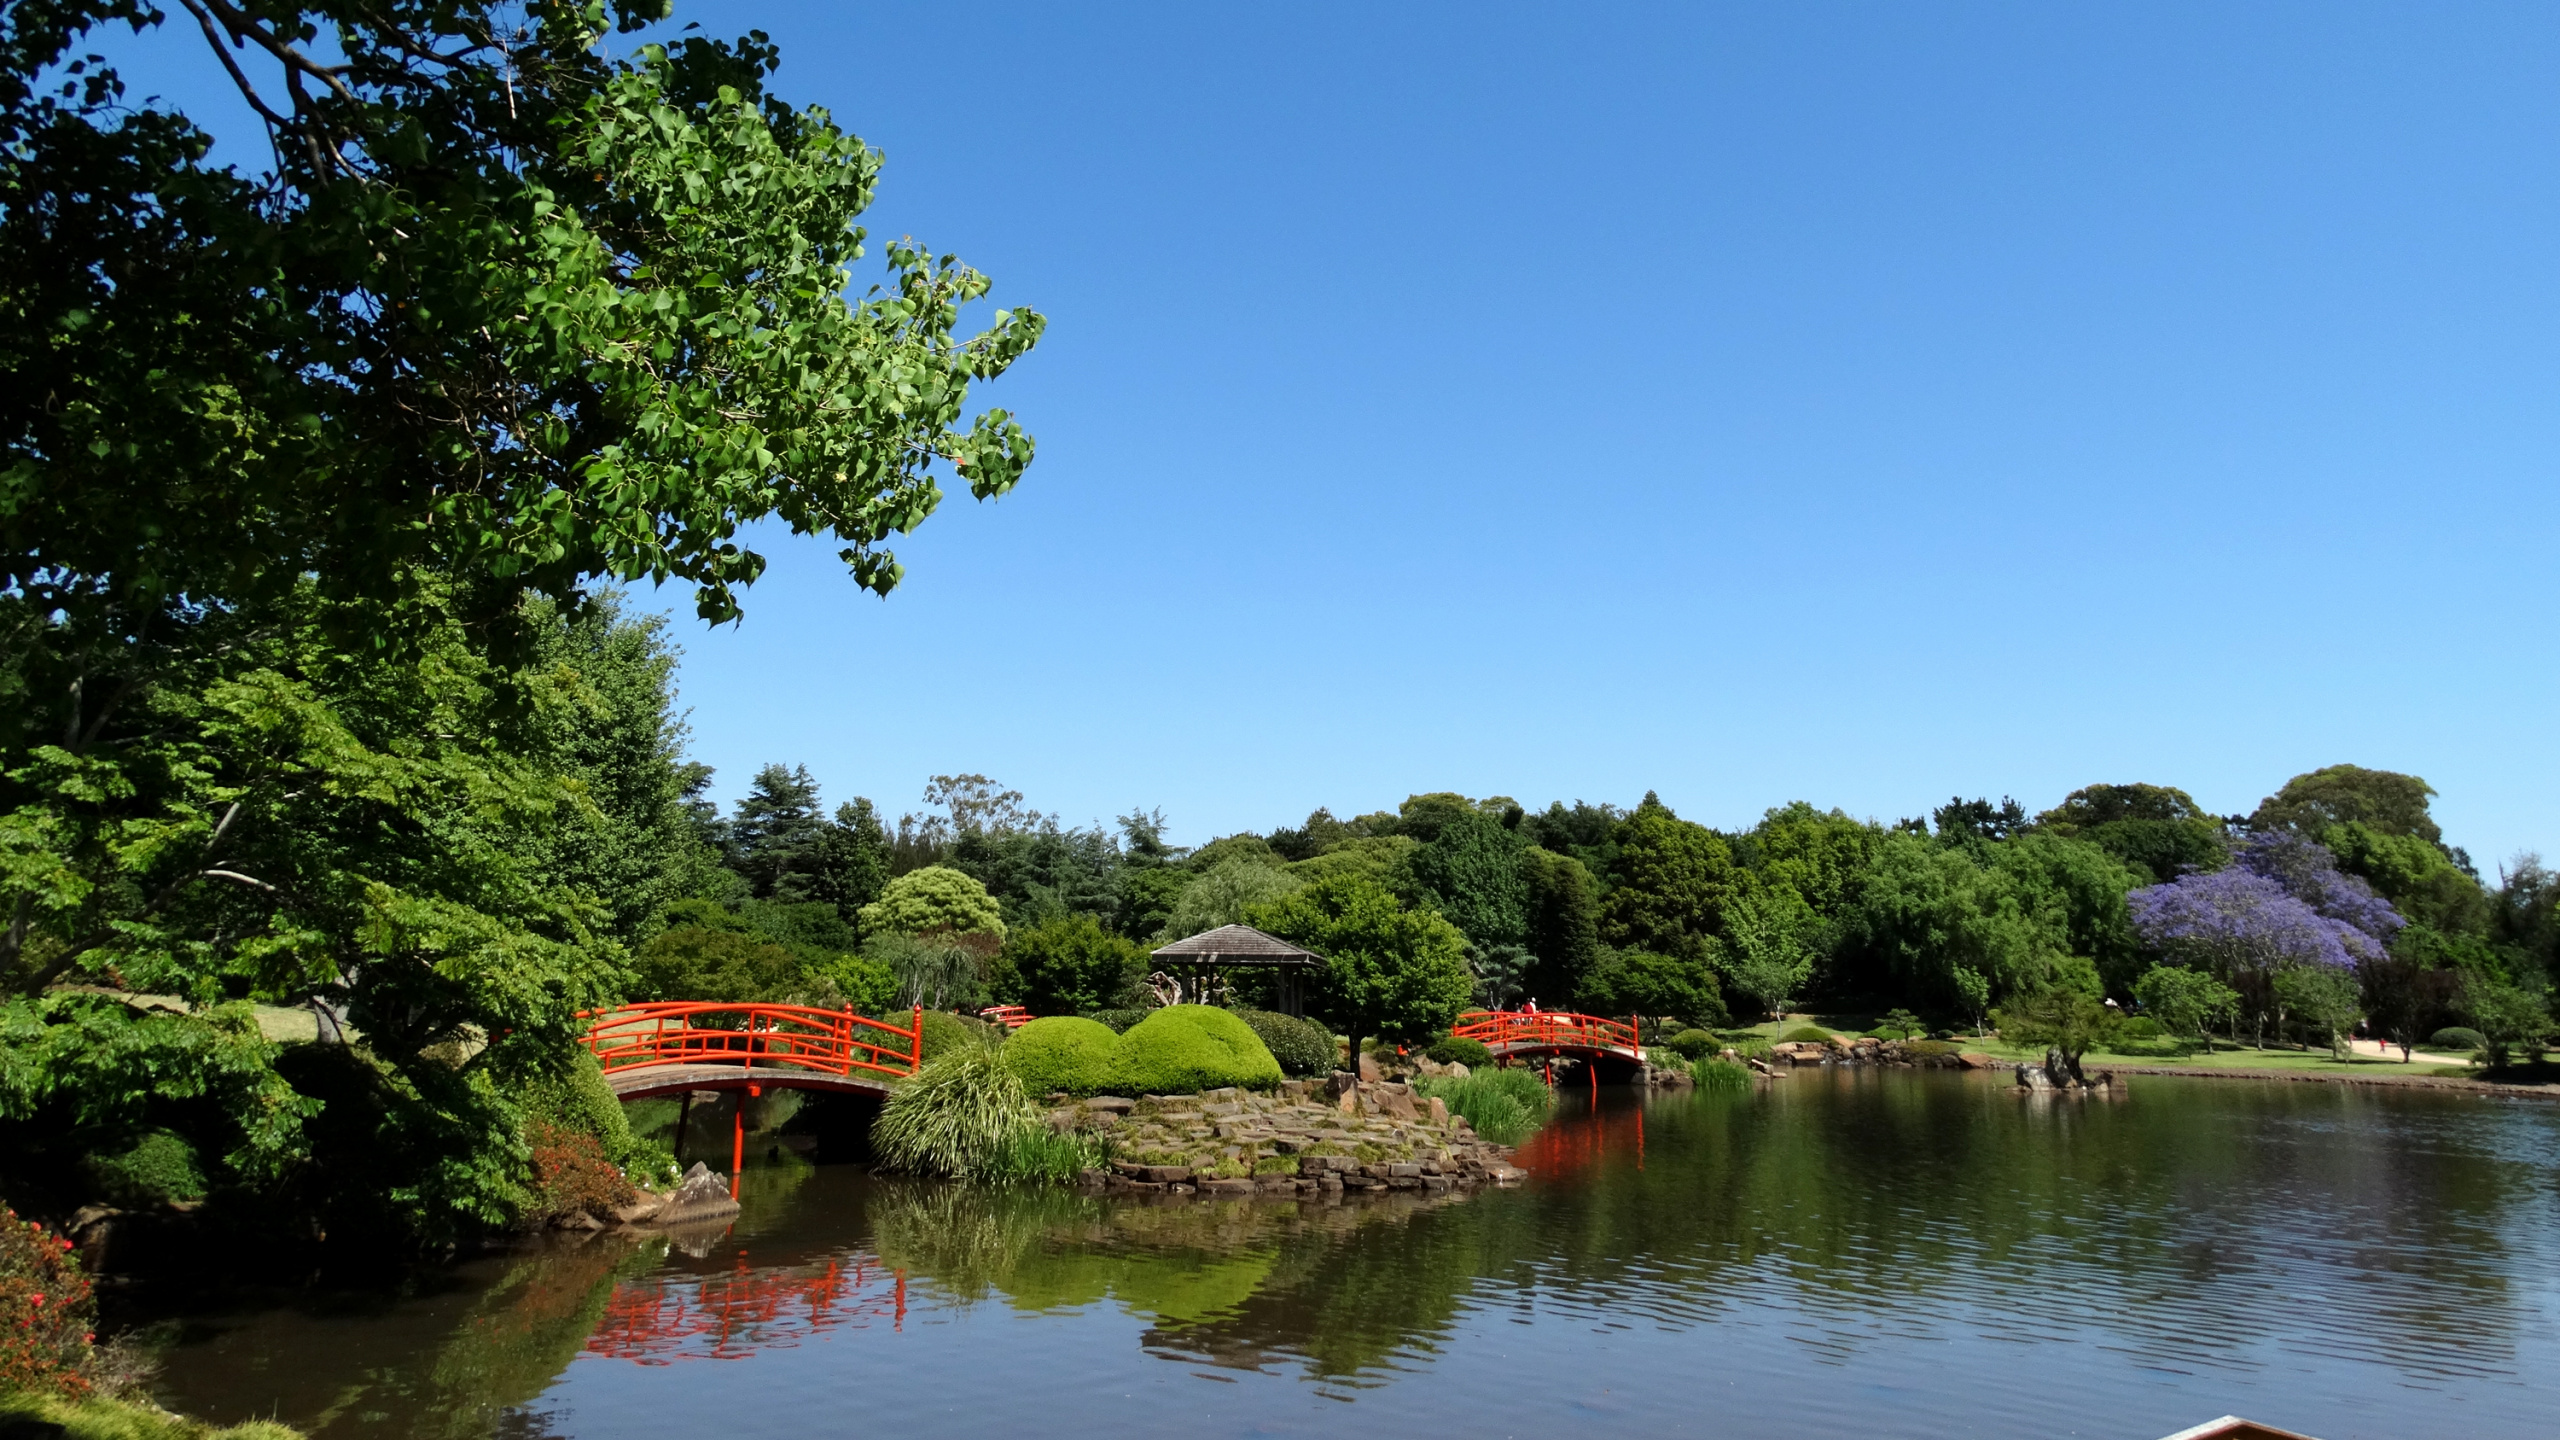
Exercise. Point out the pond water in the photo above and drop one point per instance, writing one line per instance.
(1842, 1253)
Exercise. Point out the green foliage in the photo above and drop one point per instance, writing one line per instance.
(1470, 869)
(1669, 885)
(1802, 1034)
(1956, 934)
(1225, 893)
(2078, 892)
(959, 1117)
(1770, 950)
(100, 1417)
(2326, 1002)
(160, 1167)
(1041, 1156)
(947, 1034)
(1503, 1106)
(694, 962)
(1063, 1053)
(1302, 1047)
(1388, 970)
(1458, 1050)
(1717, 1074)
(1564, 922)
(933, 970)
(1184, 1049)
(1640, 982)
(1898, 1025)
(2157, 831)
(2461, 1039)
(1068, 966)
(1384, 860)
(1119, 1021)
(575, 1097)
(935, 899)
(1690, 1044)
(2066, 1020)
(2414, 874)
(2383, 800)
(2187, 1003)
(2512, 1020)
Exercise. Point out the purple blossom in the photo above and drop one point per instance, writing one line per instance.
(2310, 874)
(2238, 921)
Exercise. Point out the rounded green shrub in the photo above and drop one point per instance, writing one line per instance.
(2458, 1037)
(2141, 1027)
(1930, 1048)
(1063, 1052)
(1690, 1044)
(1812, 1034)
(1184, 1049)
(945, 1032)
(161, 1166)
(1458, 1050)
(1301, 1048)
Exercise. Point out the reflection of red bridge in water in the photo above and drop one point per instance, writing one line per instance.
(1569, 1143)
(729, 1317)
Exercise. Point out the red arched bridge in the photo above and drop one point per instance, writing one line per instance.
(676, 1047)
(1596, 1040)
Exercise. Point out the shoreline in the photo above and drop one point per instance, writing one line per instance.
(2430, 1082)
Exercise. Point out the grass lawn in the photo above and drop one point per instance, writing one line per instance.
(2314, 1061)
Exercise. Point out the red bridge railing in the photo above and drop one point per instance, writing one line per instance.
(716, 1032)
(1552, 1031)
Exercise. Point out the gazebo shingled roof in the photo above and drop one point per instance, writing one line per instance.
(1236, 945)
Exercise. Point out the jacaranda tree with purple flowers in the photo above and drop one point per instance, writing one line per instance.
(2283, 905)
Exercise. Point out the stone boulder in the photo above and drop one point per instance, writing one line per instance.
(702, 1196)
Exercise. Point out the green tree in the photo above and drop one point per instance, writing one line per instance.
(1471, 870)
(1640, 982)
(1769, 952)
(2083, 888)
(2186, 1002)
(934, 900)
(2513, 1019)
(1068, 966)
(2325, 1000)
(1224, 895)
(1669, 885)
(2386, 801)
(1389, 970)
(853, 859)
(2069, 1022)
(1564, 922)
(777, 833)
(2414, 874)
(2158, 830)
(1958, 935)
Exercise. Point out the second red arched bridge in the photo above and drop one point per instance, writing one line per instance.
(1604, 1045)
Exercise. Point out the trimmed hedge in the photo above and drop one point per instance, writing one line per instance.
(1458, 1050)
(1691, 1044)
(1184, 1049)
(1302, 1048)
(1813, 1034)
(2458, 1037)
(1063, 1052)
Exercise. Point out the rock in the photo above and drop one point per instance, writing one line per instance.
(576, 1220)
(644, 1208)
(1153, 1174)
(703, 1196)
(1396, 1100)
(1226, 1187)
(1369, 1069)
(1439, 1113)
(1458, 1070)
(1110, 1105)
(1976, 1060)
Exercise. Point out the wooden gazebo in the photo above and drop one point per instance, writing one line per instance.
(1202, 959)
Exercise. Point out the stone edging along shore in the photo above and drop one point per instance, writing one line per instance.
(2426, 1082)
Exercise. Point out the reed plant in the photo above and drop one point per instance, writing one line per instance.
(1714, 1072)
(961, 1117)
(1503, 1106)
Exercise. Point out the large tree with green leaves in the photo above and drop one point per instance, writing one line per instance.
(1389, 969)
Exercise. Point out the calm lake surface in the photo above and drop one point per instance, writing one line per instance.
(1843, 1253)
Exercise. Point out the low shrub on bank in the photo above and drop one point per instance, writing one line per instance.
(160, 1167)
(1919, 1049)
(1807, 1034)
(959, 1117)
(1184, 1049)
(1458, 1050)
(2457, 1039)
(1063, 1052)
(1503, 1106)
(1690, 1044)
(572, 1174)
(1717, 1073)
(945, 1032)
(1302, 1047)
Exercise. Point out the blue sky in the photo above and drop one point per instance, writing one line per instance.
(1862, 404)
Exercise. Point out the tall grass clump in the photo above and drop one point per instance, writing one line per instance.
(1503, 1106)
(1042, 1156)
(961, 1117)
(1714, 1072)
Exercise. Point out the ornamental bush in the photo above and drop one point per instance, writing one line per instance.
(1303, 1049)
(945, 1032)
(46, 1311)
(1459, 1050)
(933, 899)
(572, 1175)
(1184, 1049)
(160, 1167)
(963, 1115)
(1808, 1034)
(1691, 1044)
(1063, 1052)
(2460, 1038)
